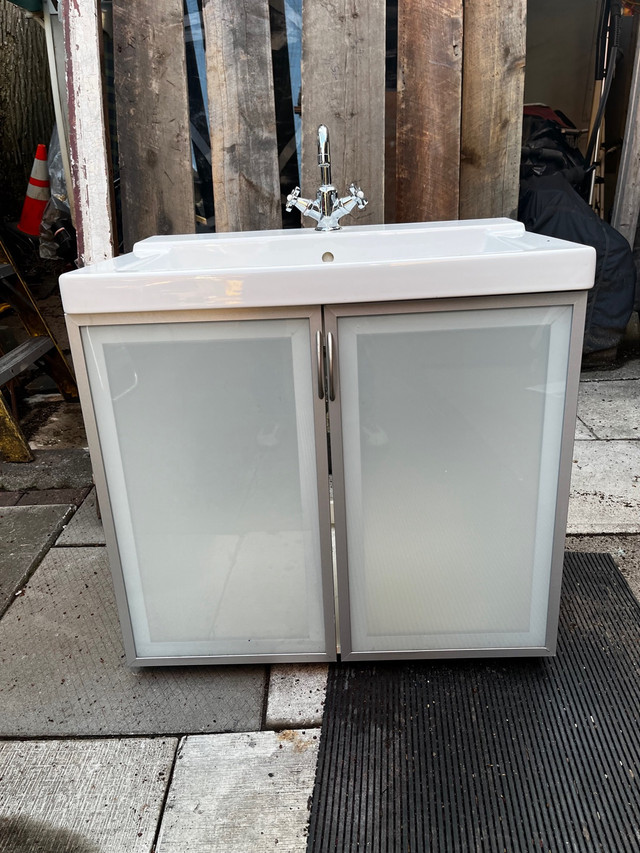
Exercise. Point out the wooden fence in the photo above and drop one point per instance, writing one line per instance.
(454, 152)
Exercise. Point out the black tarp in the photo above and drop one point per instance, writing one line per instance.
(550, 205)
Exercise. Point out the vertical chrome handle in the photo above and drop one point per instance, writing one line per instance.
(320, 364)
(330, 360)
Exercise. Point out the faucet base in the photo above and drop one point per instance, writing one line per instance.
(320, 227)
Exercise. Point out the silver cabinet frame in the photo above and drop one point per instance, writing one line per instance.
(322, 323)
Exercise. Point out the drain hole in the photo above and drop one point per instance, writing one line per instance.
(327, 257)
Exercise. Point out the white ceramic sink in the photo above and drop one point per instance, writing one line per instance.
(357, 264)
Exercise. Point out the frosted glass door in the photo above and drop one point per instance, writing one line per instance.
(451, 432)
(207, 437)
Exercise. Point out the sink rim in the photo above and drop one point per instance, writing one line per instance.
(510, 261)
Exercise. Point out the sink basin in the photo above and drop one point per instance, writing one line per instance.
(357, 264)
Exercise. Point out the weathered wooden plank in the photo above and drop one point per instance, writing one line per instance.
(492, 99)
(152, 110)
(429, 105)
(626, 204)
(23, 356)
(88, 140)
(343, 87)
(244, 150)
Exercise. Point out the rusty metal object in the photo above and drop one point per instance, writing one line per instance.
(13, 445)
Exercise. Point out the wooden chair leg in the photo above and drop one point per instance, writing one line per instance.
(13, 445)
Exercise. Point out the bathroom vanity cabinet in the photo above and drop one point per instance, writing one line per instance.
(418, 383)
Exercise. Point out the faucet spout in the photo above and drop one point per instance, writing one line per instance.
(324, 154)
(327, 209)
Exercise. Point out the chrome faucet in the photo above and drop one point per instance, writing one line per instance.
(327, 209)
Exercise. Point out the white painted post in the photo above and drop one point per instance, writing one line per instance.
(88, 137)
(53, 28)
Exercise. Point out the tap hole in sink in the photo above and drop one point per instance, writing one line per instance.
(327, 257)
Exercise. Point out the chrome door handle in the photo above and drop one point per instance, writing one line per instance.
(330, 362)
(320, 364)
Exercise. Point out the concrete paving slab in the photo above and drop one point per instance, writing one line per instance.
(625, 550)
(611, 409)
(85, 528)
(41, 497)
(51, 469)
(583, 433)
(26, 534)
(628, 370)
(296, 696)
(10, 498)
(240, 793)
(62, 668)
(605, 487)
(83, 796)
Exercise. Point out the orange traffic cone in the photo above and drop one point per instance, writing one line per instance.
(37, 194)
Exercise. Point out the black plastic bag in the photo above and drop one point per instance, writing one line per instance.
(549, 205)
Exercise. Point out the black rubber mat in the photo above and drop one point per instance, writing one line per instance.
(517, 755)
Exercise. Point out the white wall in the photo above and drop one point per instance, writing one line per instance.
(561, 54)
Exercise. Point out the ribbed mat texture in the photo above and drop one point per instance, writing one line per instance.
(501, 755)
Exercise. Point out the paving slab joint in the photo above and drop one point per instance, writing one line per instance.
(169, 781)
(18, 582)
(264, 711)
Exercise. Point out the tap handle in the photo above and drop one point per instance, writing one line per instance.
(292, 198)
(357, 194)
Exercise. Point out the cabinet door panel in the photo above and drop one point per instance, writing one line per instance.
(451, 430)
(207, 437)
